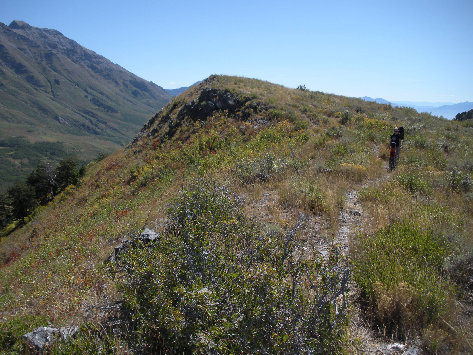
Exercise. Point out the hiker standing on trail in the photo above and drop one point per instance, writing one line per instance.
(396, 139)
(395, 146)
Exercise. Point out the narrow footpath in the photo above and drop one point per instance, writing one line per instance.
(350, 220)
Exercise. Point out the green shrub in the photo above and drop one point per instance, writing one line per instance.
(260, 169)
(320, 141)
(305, 194)
(459, 181)
(23, 200)
(92, 339)
(67, 173)
(214, 283)
(399, 271)
(345, 118)
(301, 125)
(419, 141)
(340, 149)
(334, 132)
(276, 114)
(414, 183)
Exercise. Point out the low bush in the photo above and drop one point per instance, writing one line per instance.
(461, 272)
(260, 169)
(459, 181)
(353, 172)
(215, 283)
(334, 132)
(305, 194)
(319, 141)
(91, 339)
(415, 183)
(399, 272)
(345, 118)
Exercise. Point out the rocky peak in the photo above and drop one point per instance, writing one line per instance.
(19, 25)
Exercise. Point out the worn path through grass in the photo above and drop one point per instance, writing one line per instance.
(351, 218)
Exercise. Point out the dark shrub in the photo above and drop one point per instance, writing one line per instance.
(67, 173)
(215, 283)
(42, 180)
(23, 200)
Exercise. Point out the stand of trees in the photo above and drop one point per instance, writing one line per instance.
(468, 115)
(40, 187)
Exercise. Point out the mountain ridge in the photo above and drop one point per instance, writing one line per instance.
(178, 91)
(247, 184)
(56, 91)
(447, 110)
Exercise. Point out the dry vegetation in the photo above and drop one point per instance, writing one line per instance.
(289, 157)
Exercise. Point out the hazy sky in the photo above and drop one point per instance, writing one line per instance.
(398, 49)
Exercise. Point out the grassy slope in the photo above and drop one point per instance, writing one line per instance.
(53, 90)
(53, 266)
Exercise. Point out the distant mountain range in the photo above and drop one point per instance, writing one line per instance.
(441, 109)
(58, 98)
(377, 100)
(447, 111)
(178, 91)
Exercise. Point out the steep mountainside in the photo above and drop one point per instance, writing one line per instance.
(277, 229)
(59, 98)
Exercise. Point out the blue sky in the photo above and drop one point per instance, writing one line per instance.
(400, 50)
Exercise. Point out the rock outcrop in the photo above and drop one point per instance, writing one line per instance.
(41, 339)
(165, 124)
(146, 237)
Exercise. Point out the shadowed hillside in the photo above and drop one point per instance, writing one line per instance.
(58, 98)
(278, 229)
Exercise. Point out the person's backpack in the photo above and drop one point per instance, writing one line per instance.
(392, 150)
(401, 132)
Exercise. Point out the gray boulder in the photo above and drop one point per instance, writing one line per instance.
(40, 339)
(146, 237)
(68, 332)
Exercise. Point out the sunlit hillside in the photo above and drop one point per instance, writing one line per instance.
(59, 99)
(280, 228)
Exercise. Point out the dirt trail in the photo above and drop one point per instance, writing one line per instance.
(351, 215)
(319, 237)
(350, 224)
(350, 220)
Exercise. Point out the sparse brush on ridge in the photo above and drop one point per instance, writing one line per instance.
(288, 158)
(216, 283)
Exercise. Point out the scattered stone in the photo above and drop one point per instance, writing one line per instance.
(68, 332)
(209, 101)
(413, 350)
(396, 347)
(146, 237)
(120, 249)
(40, 339)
